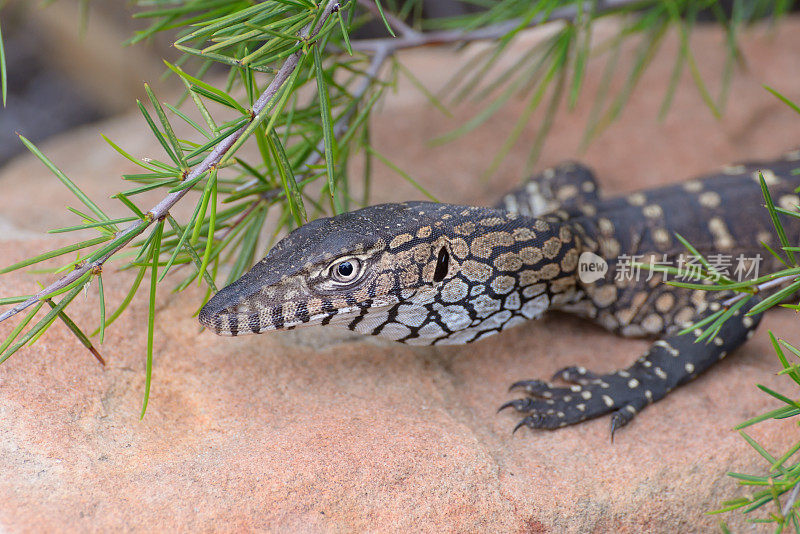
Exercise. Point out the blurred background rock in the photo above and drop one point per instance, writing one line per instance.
(68, 66)
(62, 74)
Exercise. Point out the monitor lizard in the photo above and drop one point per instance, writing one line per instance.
(427, 273)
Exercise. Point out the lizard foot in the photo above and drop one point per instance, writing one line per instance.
(588, 395)
(668, 363)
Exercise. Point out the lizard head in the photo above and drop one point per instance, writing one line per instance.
(417, 272)
(333, 270)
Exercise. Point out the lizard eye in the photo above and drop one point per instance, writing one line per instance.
(346, 271)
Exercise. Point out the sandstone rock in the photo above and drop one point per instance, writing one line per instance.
(325, 431)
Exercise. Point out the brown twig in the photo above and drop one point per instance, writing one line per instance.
(414, 38)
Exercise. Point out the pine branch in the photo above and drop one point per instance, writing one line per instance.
(411, 38)
(161, 210)
(758, 288)
(341, 125)
(393, 21)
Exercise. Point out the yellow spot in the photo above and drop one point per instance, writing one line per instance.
(661, 236)
(606, 226)
(482, 245)
(400, 240)
(467, 228)
(530, 255)
(570, 260)
(551, 247)
(531, 276)
(665, 302)
(653, 323)
(459, 248)
(503, 284)
(709, 199)
(610, 248)
(476, 271)
(523, 234)
(722, 238)
(733, 170)
(567, 192)
(508, 262)
(454, 291)
(789, 202)
(693, 186)
(605, 295)
(314, 306)
(492, 221)
(637, 199)
(684, 316)
(532, 291)
(652, 211)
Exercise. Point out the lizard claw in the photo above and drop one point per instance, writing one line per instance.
(519, 405)
(530, 386)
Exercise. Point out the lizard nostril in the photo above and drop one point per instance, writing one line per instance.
(441, 265)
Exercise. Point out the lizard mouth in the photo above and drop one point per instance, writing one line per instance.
(235, 321)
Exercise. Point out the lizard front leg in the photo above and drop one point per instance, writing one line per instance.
(565, 186)
(670, 362)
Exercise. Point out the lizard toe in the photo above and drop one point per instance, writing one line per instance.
(624, 415)
(575, 374)
(540, 388)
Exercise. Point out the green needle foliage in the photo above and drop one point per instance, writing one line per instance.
(300, 90)
(780, 484)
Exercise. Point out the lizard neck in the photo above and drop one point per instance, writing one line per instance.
(505, 269)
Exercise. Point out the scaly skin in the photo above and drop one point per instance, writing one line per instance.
(426, 273)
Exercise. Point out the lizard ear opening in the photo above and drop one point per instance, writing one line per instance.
(442, 263)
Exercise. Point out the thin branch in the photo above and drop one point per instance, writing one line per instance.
(792, 499)
(494, 31)
(394, 21)
(341, 125)
(160, 210)
(769, 284)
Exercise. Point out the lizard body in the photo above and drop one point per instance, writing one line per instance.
(428, 273)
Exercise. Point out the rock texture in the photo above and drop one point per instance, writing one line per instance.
(318, 430)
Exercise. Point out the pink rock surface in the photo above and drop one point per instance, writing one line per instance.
(320, 430)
